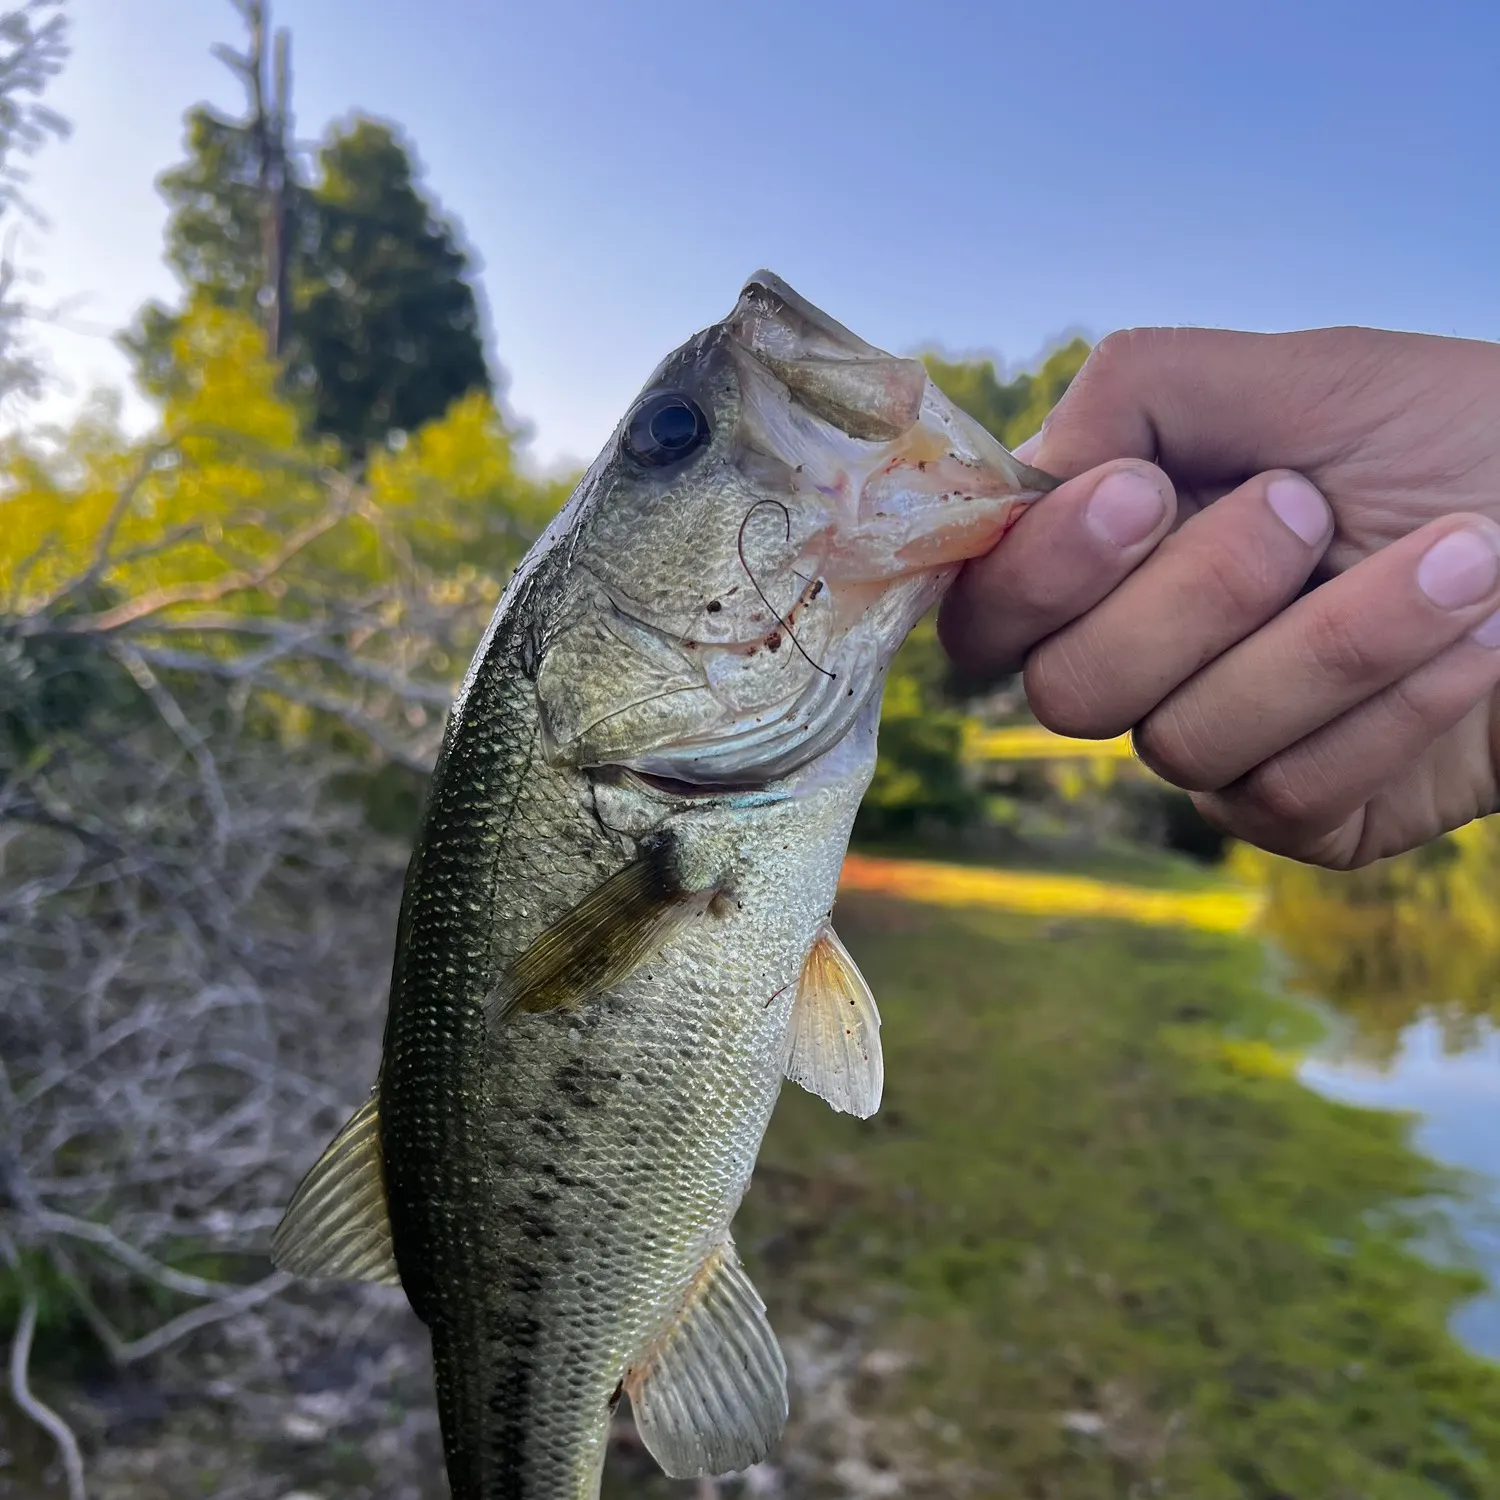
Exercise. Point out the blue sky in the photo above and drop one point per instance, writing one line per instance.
(964, 175)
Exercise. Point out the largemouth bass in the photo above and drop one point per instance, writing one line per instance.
(615, 938)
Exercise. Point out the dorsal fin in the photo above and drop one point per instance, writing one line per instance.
(338, 1225)
(710, 1396)
(833, 1049)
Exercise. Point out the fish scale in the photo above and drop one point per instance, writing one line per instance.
(614, 942)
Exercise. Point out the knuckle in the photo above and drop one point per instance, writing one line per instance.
(1283, 796)
(1181, 743)
(1337, 648)
(1122, 353)
(1069, 693)
(1240, 578)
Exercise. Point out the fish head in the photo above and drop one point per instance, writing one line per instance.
(779, 506)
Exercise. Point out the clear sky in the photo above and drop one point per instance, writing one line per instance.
(966, 175)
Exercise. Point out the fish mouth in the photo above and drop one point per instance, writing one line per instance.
(917, 483)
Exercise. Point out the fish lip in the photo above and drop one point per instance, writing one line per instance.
(766, 296)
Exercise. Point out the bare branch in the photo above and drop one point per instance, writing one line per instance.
(37, 1410)
(209, 591)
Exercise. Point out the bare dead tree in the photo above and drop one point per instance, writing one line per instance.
(196, 919)
(268, 85)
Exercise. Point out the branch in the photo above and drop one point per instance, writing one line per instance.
(208, 591)
(132, 1259)
(33, 1407)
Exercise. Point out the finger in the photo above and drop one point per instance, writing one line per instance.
(1222, 575)
(1312, 801)
(1339, 645)
(1064, 555)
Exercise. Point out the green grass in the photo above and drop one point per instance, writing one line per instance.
(1136, 864)
(1096, 1187)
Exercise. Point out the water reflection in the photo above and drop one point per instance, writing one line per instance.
(1410, 939)
(1408, 955)
(1456, 1097)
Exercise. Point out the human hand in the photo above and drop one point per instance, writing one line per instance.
(1165, 588)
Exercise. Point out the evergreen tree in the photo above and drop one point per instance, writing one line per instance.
(214, 240)
(382, 311)
(376, 327)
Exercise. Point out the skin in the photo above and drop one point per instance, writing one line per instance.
(1276, 562)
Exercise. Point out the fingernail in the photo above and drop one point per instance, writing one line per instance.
(1487, 633)
(1461, 569)
(1300, 508)
(1126, 508)
(1029, 449)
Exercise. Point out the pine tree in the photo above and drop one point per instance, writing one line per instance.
(383, 313)
(360, 283)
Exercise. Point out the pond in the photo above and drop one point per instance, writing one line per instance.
(1455, 1096)
(1403, 958)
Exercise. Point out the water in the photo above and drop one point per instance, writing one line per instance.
(1456, 1099)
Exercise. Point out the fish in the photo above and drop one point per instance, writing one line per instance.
(615, 940)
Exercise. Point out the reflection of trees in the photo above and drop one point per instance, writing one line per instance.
(1417, 936)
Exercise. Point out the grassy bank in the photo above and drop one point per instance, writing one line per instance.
(1099, 1241)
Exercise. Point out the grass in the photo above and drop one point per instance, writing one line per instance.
(1116, 861)
(1217, 908)
(1127, 1253)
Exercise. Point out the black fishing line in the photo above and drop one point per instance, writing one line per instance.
(755, 583)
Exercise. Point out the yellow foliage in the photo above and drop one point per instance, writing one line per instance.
(454, 492)
(1223, 910)
(1415, 935)
(213, 491)
(215, 494)
(1033, 742)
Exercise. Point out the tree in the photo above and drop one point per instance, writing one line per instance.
(359, 282)
(34, 45)
(1013, 410)
(383, 313)
(224, 665)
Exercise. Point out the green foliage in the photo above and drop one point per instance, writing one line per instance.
(388, 322)
(228, 542)
(1124, 1249)
(1014, 409)
(35, 42)
(920, 780)
(382, 331)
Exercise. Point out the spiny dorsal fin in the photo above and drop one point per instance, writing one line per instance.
(337, 1225)
(710, 1397)
(601, 941)
(833, 1049)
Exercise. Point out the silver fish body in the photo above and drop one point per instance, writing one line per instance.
(614, 942)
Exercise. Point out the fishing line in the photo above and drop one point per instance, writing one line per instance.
(739, 547)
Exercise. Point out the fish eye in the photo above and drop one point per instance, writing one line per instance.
(664, 429)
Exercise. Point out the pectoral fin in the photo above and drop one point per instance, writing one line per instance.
(337, 1225)
(834, 1047)
(710, 1397)
(601, 941)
